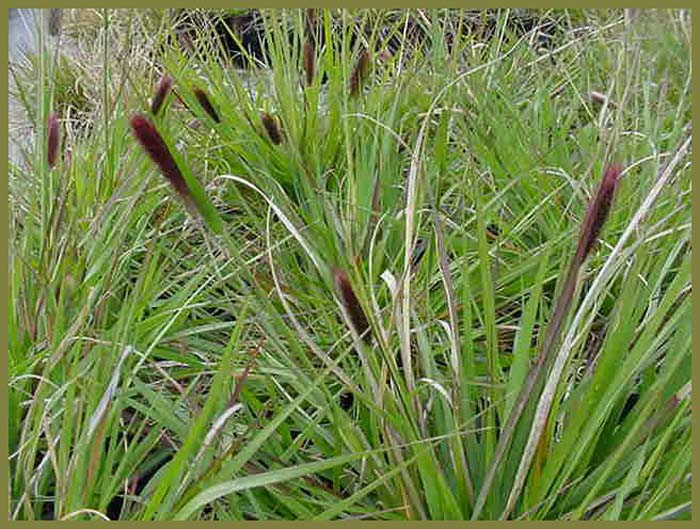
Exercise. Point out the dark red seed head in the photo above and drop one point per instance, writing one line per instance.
(53, 139)
(154, 145)
(598, 210)
(351, 304)
(162, 91)
(359, 73)
(309, 62)
(272, 128)
(206, 104)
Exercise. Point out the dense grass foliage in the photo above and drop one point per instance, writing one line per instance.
(357, 292)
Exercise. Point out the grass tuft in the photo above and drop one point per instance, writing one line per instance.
(403, 305)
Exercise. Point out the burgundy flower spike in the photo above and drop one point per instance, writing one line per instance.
(206, 105)
(351, 304)
(154, 145)
(53, 138)
(272, 128)
(597, 212)
(164, 86)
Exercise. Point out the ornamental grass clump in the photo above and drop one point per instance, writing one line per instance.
(594, 219)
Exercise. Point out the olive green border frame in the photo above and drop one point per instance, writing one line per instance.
(695, 16)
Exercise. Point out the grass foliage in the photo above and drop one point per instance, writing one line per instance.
(344, 323)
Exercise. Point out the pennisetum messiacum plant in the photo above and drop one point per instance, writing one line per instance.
(414, 287)
(596, 215)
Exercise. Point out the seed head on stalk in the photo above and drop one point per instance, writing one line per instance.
(597, 213)
(272, 128)
(359, 73)
(310, 43)
(154, 145)
(52, 140)
(206, 104)
(189, 190)
(309, 61)
(351, 304)
(162, 91)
